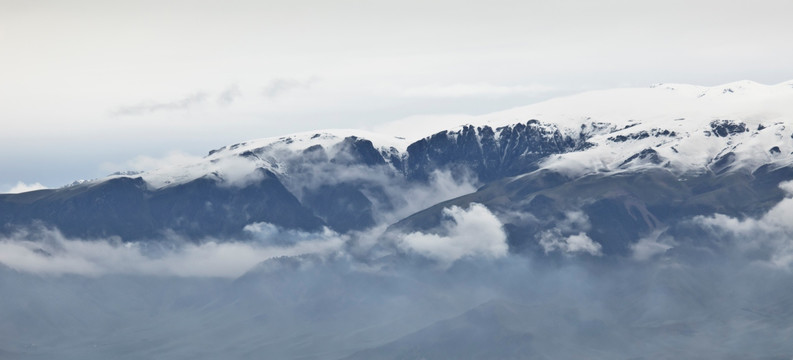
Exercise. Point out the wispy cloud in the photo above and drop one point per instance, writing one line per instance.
(141, 164)
(153, 106)
(48, 252)
(476, 89)
(418, 126)
(228, 96)
(651, 245)
(281, 86)
(21, 187)
(159, 171)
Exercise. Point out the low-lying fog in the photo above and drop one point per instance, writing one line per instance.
(721, 291)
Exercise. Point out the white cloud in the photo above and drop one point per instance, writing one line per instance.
(475, 89)
(237, 171)
(569, 236)
(156, 106)
(651, 245)
(21, 187)
(442, 186)
(581, 242)
(770, 236)
(48, 252)
(465, 232)
(178, 167)
(787, 187)
(149, 163)
(402, 197)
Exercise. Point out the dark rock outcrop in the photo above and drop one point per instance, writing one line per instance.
(486, 153)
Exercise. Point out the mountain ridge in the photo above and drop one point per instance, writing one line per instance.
(351, 180)
(615, 119)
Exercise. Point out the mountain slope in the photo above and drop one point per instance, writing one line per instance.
(128, 208)
(617, 210)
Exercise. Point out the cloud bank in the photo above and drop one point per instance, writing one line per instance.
(768, 239)
(474, 232)
(47, 252)
(713, 304)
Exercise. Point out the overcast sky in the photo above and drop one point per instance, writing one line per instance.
(87, 86)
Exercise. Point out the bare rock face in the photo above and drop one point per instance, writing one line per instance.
(489, 154)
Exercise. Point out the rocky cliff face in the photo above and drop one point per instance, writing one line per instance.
(487, 153)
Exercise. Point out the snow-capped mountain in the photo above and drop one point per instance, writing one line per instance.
(629, 223)
(682, 137)
(681, 127)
